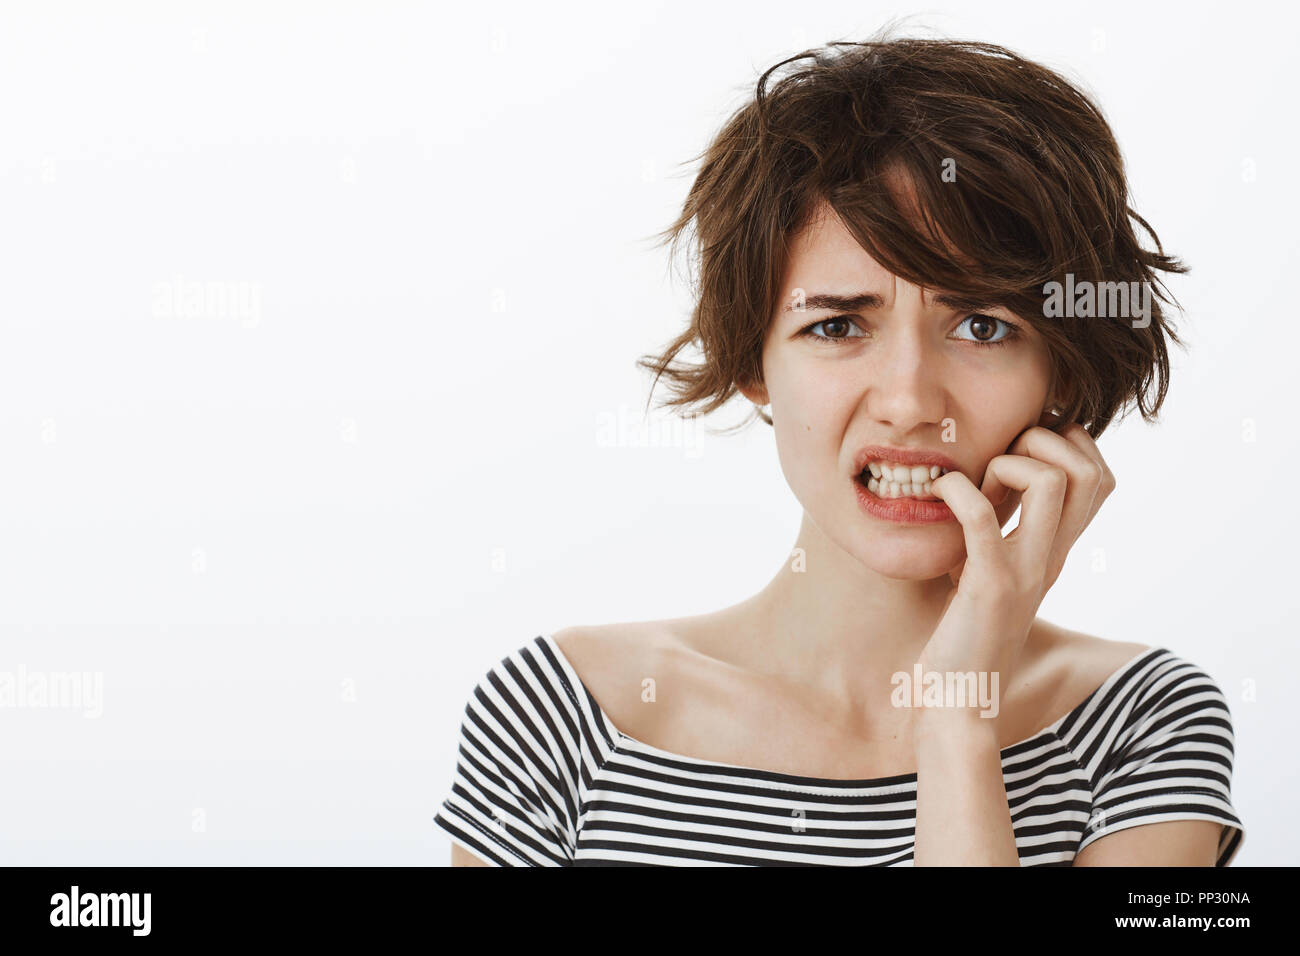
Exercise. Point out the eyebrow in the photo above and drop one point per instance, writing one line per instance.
(867, 301)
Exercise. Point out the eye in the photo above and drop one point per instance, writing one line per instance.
(984, 328)
(838, 329)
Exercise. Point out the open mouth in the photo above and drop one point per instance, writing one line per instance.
(890, 480)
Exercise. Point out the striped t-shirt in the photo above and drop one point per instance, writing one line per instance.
(545, 779)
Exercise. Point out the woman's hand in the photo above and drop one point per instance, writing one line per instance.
(1059, 480)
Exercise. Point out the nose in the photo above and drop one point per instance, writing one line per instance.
(904, 384)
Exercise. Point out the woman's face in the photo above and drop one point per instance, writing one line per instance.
(906, 372)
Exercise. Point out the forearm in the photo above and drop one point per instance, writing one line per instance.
(962, 816)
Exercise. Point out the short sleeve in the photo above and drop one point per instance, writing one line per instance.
(1171, 757)
(512, 799)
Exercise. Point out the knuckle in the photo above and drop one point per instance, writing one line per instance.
(1055, 479)
(986, 519)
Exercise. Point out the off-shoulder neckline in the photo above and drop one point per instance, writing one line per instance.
(775, 776)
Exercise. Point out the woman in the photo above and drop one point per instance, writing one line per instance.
(884, 240)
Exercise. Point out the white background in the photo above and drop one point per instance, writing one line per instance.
(292, 538)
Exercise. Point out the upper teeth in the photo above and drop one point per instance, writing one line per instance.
(916, 474)
(892, 481)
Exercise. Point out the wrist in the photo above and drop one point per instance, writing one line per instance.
(969, 725)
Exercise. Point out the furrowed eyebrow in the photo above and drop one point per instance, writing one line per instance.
(867, 301)
(862, 302)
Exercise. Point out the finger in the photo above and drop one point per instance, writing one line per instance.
(1006, 503)
(1007, 507)
(979, 522)
(1043, 489)
(1078, 436)
(1084, 472)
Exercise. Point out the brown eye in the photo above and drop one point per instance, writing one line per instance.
(983, 327)
(842, 328)
(984, 330)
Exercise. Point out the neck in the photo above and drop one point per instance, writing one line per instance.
(828, 622)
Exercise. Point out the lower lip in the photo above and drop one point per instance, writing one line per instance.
(902, 510)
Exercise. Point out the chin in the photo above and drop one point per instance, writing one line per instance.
(917, 553)
(920, 567)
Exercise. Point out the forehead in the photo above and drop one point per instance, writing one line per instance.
(825, 255)
(826, 251)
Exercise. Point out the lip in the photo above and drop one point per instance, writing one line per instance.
(902, 510)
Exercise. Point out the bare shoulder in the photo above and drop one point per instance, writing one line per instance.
(614, 661)
(1066, 666)
(1096, 656)
(595, 650)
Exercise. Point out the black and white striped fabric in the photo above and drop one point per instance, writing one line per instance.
(545, 779)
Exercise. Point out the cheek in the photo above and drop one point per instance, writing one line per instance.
(817, 395)
(1006, 397)
(806, 447)
(810, 415)
(999, 410)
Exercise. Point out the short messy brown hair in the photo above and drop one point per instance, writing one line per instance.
(1040, 192)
